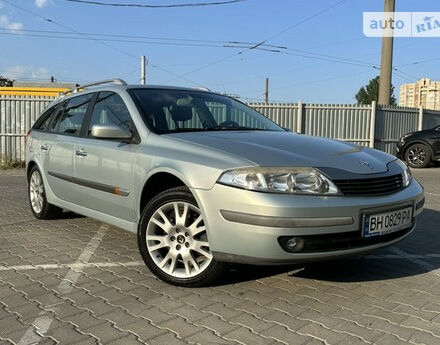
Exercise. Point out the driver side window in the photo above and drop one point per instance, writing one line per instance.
(110, 109)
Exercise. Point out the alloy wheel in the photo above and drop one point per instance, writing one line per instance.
(417, 156)
(36, 191)
(177, 241)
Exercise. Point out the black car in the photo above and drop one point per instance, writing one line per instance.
(421, 148)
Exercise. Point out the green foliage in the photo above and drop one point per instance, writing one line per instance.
(7, 163)
(370, 93)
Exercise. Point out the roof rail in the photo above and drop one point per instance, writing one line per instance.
(107, 81)
(202, 88)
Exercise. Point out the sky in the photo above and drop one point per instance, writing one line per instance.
(314, 28)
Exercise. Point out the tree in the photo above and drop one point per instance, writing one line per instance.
(5, 81)
(370, 93)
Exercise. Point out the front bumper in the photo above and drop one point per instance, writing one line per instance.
(254, 238)
(400, 150)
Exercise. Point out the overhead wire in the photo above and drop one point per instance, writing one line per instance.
(177, 39)
(94, 39)
(255, 46)
(227, 44)
(169, 43)
(295, 25)
(116, 4)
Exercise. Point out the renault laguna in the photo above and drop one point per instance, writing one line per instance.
(204, 180)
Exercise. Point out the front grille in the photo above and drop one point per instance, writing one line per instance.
(371, 186)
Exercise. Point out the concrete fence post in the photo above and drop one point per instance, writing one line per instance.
(420, 123)
(300, 117)
(372, 123)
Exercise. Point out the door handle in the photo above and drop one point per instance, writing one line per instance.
(44, 147)
(81, 153)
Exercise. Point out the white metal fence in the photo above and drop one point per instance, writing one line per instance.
(17, 115)
(369, 125)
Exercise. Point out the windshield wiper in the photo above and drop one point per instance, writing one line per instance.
(177, 130)
(217, 128)
(240, 128)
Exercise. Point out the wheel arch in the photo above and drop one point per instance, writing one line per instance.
(417, 141)
(156, 183)
(29, 167)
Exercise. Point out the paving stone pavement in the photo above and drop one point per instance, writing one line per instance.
(77, 281)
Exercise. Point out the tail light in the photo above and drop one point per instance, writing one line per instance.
(28, 134)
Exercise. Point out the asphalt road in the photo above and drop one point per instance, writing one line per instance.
(76, 280)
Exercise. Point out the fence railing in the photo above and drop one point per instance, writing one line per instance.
(372, 125)
(368, 125)
(17, 115)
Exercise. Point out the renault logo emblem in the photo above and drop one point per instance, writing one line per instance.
(366, 164)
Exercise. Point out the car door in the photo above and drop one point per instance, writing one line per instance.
(35, 143)
(104, 167)
(58, 146)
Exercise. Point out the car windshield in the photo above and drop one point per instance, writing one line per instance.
(171, 111)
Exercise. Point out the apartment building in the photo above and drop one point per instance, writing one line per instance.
(425, 93)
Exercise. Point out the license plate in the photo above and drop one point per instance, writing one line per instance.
(387, 222)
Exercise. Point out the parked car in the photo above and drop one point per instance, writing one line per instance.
(420, 149)
(204, 180)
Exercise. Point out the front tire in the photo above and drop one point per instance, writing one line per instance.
(173, 240)
(40, 208)
(418, 156)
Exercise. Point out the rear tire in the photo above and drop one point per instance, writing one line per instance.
(173, 240)
(418, 156)
(40, 208)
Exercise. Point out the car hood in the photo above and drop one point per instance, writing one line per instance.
(287, 149)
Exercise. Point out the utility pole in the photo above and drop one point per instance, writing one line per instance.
(386, 65)
(143, 72)
(266, 92)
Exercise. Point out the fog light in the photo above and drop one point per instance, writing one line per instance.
(294, 244)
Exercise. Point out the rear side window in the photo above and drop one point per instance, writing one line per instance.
(43, 121)
(110, 109)
(70, 119)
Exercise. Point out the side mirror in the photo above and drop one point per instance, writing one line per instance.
(110, 132)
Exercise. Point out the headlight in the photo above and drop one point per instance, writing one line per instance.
(402, 139)
(280, 180)
(407, 176)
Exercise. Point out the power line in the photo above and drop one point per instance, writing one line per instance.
(312, 55)
(333, 59)
(315, 56)
(295, 25)
(184, 44)
(68, 28)
(321, 80)
(93, 39)
(256, 46)
(99, 3)
(405, 73)
(418, 62)
(401, 76)
(146, 37)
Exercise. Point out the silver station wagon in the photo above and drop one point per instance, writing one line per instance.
(205, 180)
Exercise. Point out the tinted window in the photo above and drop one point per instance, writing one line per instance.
(43, 121)
(70, 119)
(110, 109)
(168, 111)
